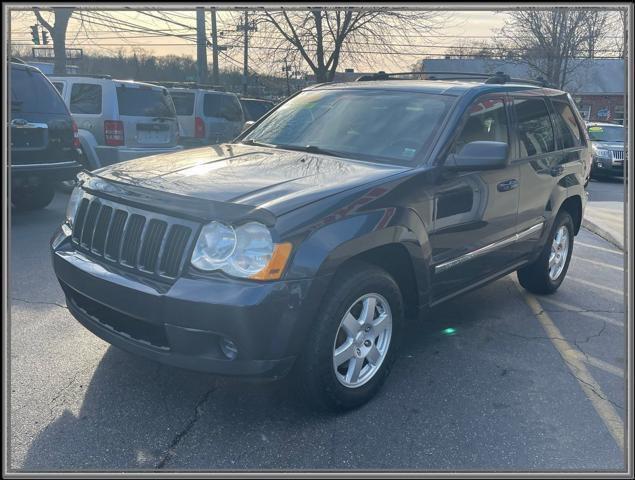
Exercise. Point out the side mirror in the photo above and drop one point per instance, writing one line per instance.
(247, 125)
(481, 155)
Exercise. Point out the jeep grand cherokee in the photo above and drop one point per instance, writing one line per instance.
(306, 243)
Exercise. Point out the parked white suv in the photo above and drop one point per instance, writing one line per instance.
(207, 116)
(119, 120)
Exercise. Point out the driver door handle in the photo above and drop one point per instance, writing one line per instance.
(507, 185)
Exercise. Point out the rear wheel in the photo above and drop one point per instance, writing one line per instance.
(545, 275)
(352, 347)
(32, 197)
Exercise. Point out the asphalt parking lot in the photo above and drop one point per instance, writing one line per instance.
(495, 379)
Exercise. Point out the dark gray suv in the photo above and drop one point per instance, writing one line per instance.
(306, 243)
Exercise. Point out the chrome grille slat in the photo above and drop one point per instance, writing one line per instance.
(150, 243)
(618, 154)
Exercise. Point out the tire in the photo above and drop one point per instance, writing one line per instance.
(32, 198)
(351, 290)
(539, 277)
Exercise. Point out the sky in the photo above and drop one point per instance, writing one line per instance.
(173, 32)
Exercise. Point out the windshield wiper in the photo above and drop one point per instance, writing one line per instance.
(257, 144)
(310, 149)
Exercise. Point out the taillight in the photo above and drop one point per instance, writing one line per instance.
(76, 142)
(199, 128)
(113, 133)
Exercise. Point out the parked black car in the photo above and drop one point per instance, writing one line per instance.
(308, 241)
(45, 146)
(609, 154)
(255, 108)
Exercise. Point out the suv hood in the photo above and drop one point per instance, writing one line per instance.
(268, 178)
(609, 145)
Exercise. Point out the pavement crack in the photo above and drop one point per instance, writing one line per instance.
(593, 389)
(198, 412)
(39, 303)
(588, 339)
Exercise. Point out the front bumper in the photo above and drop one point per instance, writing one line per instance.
(184, 323)
(111, 155)
(608, 167)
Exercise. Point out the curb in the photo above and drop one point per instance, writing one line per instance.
(603, 233)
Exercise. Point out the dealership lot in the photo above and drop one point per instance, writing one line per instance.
(481, 385)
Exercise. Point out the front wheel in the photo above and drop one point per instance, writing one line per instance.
(352, 346)
(545, 275)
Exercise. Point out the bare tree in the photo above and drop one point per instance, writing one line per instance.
(550, 40)
(61, 15)
(324, 37)
(465, 48)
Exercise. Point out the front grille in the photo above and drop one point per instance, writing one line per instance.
(618, 154)
(147, 242)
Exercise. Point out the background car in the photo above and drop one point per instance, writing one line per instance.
(609, 155)
(255, 108)
(44, 139)
(119, 120)
(207, 116)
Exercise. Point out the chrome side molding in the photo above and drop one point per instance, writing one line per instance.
(487, 248)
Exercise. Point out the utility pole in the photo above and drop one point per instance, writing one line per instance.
(215, 80)
(201, 46)
(246, 27)
(287, 69)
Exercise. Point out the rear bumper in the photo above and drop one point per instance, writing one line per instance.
(53, 171)
(110, 155)
(184, 324)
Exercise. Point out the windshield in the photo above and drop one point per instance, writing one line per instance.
(605, 133)
(379, 125)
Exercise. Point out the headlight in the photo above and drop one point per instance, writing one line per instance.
(246, 251)
(601, 153)
(73, 203)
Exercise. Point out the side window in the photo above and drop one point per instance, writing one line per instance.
(59, 86)
(487, 121)
(535, 131)
(567, 125)
(85, 98)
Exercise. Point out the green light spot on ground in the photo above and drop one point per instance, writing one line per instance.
(449, 331)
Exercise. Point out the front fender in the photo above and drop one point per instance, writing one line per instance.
(326, 248)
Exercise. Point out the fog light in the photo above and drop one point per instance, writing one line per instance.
(228, 348)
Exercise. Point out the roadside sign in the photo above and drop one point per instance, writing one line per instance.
(48, 52)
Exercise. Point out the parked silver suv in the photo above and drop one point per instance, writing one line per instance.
(207, 116)
(119, 120)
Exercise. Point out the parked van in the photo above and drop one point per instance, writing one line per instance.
(119, 120)
(207, 116)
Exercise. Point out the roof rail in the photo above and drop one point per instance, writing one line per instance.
(18, 60)
(490, 78)
(87, 75)
(176, 84)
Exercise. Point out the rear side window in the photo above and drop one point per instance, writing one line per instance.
(32, 93)
(487, 121)
(183, 102)
(144, 102)
(534, 127)
(86, 98)
(567, 126)
(59, 86)
(223, 106)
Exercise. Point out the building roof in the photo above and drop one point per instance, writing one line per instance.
(590, 76)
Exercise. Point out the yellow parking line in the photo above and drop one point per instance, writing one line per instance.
(594, 285)
(599, 264)
(572, 308)
(610, 250)
(571, 358)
